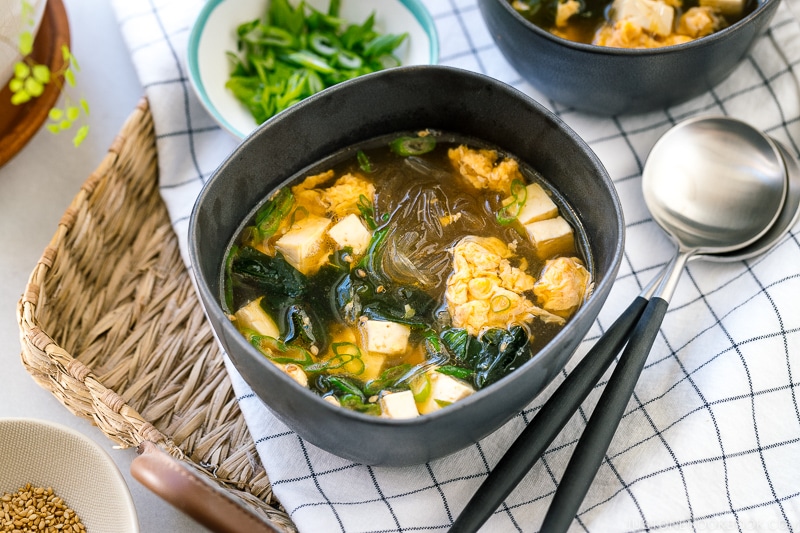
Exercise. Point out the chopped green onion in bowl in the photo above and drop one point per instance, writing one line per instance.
(293, 52)
(251, 59)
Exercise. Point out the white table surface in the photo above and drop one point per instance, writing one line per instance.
(36, 187)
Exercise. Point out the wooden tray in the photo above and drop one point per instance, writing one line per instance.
(110, 324)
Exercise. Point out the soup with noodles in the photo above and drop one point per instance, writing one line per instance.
(404, 274)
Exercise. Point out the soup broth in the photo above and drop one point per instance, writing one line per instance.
(404, 274)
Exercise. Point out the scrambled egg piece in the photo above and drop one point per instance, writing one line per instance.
(485, 291)
(339, 200)
(626, 34)
(565, 10)
(481, 168)
(700, 21)
(563, 286)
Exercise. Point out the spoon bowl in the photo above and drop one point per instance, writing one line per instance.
(715, 184)
(787, 218)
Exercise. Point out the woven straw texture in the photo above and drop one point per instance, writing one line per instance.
(111, 326)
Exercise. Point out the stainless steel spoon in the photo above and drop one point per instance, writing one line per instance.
(715, 185)
(567, 398)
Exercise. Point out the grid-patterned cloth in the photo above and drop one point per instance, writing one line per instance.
(711, 439)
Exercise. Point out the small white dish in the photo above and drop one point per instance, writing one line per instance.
(214, 33)
(78, 470)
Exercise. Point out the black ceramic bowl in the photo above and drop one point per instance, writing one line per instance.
(610, 81)
(405, 98)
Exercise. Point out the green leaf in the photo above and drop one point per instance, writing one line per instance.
(84, 105)
(41, 73)
(73, 112)
(80, 135)
(21, 70)
(70, 77)
(71, 59)
(34, 87)
(20, 97)
(25, 43)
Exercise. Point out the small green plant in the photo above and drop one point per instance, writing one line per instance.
(30, 79)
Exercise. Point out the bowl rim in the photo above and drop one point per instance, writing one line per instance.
(193, 59)
(478, 396)
(614, 51)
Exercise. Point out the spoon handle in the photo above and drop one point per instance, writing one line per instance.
(552, 417)
(593, 444)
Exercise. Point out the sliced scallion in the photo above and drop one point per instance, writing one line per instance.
(519, 195)
(407, 146)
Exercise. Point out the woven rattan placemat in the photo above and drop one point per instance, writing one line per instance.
(110, 324)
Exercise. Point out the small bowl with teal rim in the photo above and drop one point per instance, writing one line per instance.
(250, 59)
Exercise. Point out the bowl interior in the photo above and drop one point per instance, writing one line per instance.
(214, 33)
(79, 471)
(407, 98)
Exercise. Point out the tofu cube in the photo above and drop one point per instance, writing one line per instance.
(398, 405)
(350, 231)
(386, 337)
(253, 317)
(304, 244)
(538, 205)
(551, 237)
(444, 390)
(652, 16)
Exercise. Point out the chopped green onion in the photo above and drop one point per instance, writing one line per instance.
(420, 387)
(519, 195)
(322, 44)
(456, 371)
(364, 164)
(348, 60)
(345, 353)
(278, 351)
(406, 146)
(500, 303)
(295, 52)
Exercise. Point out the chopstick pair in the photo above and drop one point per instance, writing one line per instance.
(551, 419)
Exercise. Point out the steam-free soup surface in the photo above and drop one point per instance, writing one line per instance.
(405, 274)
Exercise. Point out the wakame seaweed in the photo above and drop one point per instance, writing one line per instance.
(495, 354)
(253, 268)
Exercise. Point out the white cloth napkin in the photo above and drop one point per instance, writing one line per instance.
(711, 438)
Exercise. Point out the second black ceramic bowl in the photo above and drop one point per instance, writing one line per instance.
(402, 99)
(611, 81)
